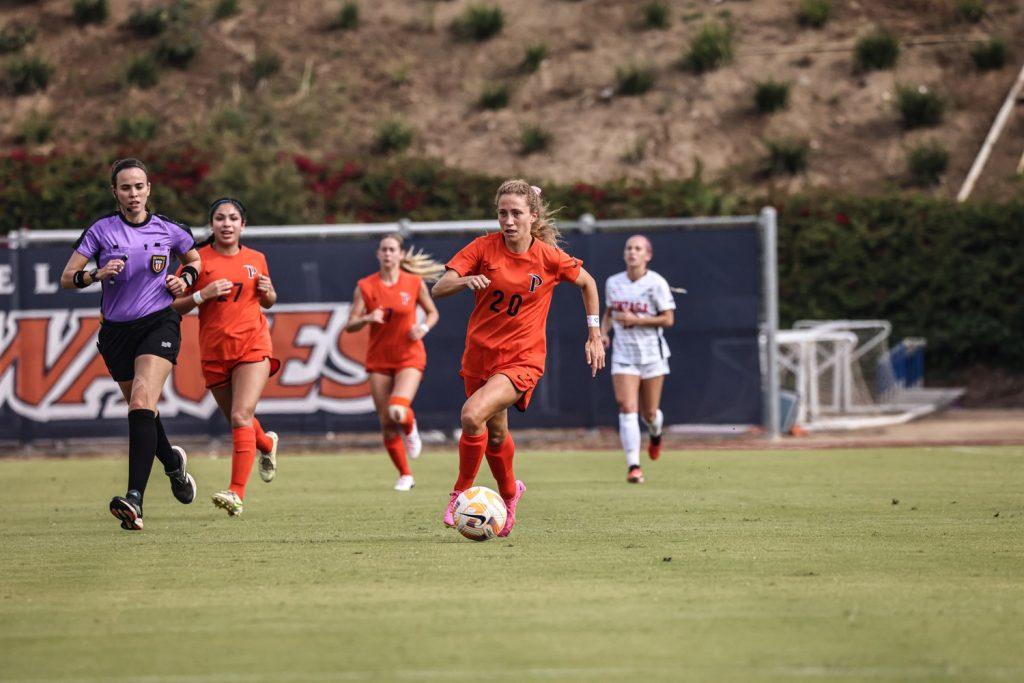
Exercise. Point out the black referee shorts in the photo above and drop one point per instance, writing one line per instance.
(158, 334)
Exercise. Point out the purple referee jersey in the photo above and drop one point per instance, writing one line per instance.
(139, 289)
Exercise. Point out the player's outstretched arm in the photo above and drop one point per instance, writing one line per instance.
(430, 309)
(451, 283)
(593, 349)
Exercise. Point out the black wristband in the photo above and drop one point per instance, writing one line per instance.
(79, 279)
(189, 275)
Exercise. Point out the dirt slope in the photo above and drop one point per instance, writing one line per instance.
(335, 87)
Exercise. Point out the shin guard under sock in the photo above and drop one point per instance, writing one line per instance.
(471, 454)
(263, 441)
(141, 448)
(242, 457)
(164, 453)
(500, 461)
(396, 450)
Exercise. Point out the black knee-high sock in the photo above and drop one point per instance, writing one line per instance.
(141, 447)
(163, 448)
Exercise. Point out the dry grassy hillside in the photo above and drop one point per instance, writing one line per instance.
(334, 87)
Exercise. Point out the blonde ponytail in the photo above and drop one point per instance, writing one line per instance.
(544, 227)
(416, 262)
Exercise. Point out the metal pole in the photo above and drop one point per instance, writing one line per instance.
(768, 223)
(990, 140)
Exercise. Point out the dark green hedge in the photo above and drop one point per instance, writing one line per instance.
(951, 273)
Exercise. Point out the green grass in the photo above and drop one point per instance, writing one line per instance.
(784, 566)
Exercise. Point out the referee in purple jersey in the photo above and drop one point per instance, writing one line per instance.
(140, 333)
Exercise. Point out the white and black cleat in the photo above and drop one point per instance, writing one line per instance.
(128, 509)
(183, 486)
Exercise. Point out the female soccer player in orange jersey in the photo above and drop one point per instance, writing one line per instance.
(512, 274)
(395, 357)
(234, 339)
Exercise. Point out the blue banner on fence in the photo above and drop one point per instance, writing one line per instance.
(53, 382)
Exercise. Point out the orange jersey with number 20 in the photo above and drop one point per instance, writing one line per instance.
(507, 326)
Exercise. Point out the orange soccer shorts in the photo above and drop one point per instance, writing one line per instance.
(218, 372)
(523, 378)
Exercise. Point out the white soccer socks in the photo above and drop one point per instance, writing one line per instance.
(629, 434)
(653, 428)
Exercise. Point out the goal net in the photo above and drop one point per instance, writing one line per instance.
(844, 375)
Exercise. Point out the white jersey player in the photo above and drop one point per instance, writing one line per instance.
(639, 304)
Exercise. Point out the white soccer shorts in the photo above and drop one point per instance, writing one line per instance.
(646, 371)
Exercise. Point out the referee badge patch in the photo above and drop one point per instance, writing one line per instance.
(157, 262)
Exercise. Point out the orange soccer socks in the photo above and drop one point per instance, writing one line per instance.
(471, 454)
(242, 457)
(500, 461)
(263, 441)
(396, 449)
(400, 410)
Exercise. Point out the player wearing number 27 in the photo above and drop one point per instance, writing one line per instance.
(512, 274)
(234, 342)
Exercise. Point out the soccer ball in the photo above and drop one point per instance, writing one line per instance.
(479, 513)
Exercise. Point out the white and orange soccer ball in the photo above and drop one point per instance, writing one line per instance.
(479, 513)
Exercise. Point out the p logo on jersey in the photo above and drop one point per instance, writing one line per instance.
(535, 282)
(250, 270)
(157, 262)
(405, 298)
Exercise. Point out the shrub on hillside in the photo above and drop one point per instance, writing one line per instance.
(224, 9)
(710, 48)
(479, 23)
(919, 107)
(34, 129)
(142, 72)
(26, 75)
(89, 11)
(877, 51)
(636, 152)
(15, 36)
(990, 55)
(494, 96)
(535, 54)
(654, 15)
(634, 79)
(392, 135)
(927, 162)
(147, 22)
(347, 18)
(136, 128)
(971, 11)
(534, 138)
(814, 13)
(263, 67)
(771, 96)
(786, 156)
(178, 47)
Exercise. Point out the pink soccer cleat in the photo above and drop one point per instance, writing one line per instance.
(510, 518)
(449, 513)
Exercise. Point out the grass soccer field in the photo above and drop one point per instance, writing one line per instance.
(874, 565)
